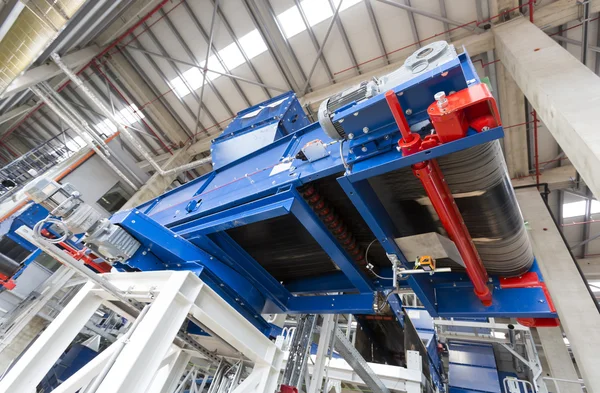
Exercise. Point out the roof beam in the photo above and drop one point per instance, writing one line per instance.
(547, 17)
(44, 72)
(470, 27)
(14, 113)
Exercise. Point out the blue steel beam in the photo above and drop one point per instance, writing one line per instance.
(323, 236)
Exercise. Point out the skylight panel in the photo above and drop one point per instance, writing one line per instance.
(346, 4)
(253, 44)
(215, 65)
(232, 56)
(316, 11)
(291, 22)
(131, 114)
(179, 87)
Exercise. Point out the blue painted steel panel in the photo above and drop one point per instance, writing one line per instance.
(420, 318)
(472, 368)
(475, 379)
(472, 354)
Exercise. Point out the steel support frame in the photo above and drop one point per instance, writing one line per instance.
(148, 359)
(210, 246)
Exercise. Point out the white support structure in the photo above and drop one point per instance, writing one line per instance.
(169, 374)
(148, 361)
(45, 351)
(396, 379)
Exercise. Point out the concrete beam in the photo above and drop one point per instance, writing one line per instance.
(560, 88)
(576, 309)
(512, 110)
(202, 146)
(49, 70)
(558, 178)
(558, 358)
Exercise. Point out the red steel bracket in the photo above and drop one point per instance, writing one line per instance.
(7, 282)
(531, 280)
(473, 107)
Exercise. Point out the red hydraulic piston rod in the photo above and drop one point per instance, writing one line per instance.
(433, 181)
(443, 202)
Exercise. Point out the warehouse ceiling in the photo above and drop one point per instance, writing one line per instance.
(252, 50)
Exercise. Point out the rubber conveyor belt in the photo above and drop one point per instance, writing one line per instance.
(479, 181)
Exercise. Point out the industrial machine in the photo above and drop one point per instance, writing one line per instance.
(327, 217)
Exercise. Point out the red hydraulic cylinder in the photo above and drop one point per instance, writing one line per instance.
(433, 181)
(443, 202)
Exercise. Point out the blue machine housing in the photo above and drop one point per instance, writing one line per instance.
(28, 216)
(258, 126)
(186, 228)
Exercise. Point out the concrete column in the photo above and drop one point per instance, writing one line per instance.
(576, 309)
(562, 90)
(559, 360)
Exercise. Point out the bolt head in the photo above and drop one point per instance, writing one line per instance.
(364, 149)
(366, 130)
(350, 136)
(440, 95)
(409, 112)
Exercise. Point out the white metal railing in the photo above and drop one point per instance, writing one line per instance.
(557, 380)
(515, 385)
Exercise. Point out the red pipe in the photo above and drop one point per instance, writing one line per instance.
(535, 148)
(579, 223)
(531, 3)
(442, 200)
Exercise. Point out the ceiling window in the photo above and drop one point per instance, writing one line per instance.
(126, 116)
(316, 11)
(232, 57)
(346, 4)
(576, 209)
(291, 22)
(252, 44)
